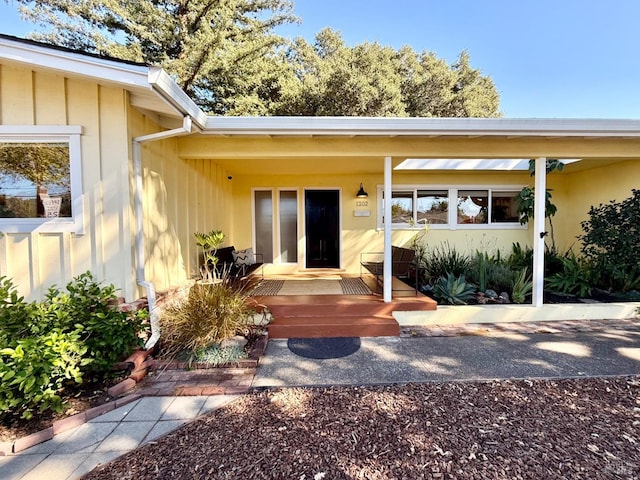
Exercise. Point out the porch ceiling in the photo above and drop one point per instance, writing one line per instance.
(365, 154)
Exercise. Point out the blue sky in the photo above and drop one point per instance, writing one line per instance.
(548, 58)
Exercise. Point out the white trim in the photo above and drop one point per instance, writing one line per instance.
(102, 69)
(539, 221)
(55, 134)
(387, 267)
(452, 213)
(347, 126)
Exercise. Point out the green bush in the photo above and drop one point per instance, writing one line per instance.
(48, 346)
(611, 242)
(209, 314)
(444, 259)
(575, 277)
(490, 272)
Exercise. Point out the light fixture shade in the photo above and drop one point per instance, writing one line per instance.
(361, 193)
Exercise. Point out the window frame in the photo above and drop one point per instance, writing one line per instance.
(452, 223)
(69, 134)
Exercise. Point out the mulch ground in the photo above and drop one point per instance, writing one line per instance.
(540, 429)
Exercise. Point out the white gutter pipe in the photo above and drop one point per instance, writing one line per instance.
(139, 213)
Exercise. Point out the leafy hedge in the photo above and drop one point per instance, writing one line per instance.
(66, 338)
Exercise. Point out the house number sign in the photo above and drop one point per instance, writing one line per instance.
(362, 203)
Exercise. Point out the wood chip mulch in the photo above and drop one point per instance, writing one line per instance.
(538, 429)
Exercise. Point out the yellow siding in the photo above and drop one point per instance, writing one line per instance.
(181, 197)
(36, 261)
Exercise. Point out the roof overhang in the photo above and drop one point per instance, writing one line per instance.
(423, 127)
(152, 89)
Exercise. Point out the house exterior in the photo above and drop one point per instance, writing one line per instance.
(147, 169)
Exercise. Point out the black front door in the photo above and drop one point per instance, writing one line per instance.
(322, 228)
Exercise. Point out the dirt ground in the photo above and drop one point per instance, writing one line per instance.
(540, 429)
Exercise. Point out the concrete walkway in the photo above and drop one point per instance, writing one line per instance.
(607, 351)
(79, 450)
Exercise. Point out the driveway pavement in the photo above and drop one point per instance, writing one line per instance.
(383, 360)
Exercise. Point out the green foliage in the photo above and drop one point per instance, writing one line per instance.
(574, 279)
(453, 290)
(209, 314)
(520, 257)
(217, 355)
(223, 54)
(331, 78)
(611, 242)
(526, 198)
(444, 259)
(46, 346)
(209, 243)
(108, 333)
(522, 287)
(490, 272)
(228, 58)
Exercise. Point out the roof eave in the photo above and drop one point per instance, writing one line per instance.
(362, 126)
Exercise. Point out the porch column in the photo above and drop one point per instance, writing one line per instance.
(539, 231)
(387, 280)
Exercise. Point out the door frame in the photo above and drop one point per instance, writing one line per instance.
(303, 224)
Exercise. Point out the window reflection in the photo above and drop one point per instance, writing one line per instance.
(473, 206)
(35, 180)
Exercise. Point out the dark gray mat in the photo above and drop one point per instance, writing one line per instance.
(324, 348)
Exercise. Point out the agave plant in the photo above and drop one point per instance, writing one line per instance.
(454, 290)
(522, 287)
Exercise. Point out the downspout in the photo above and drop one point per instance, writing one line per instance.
(139, 213)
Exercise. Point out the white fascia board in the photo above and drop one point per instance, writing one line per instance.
(103, 70)
(339, 126)
(169, 90)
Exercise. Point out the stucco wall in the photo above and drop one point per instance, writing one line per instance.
(574, 192)
(36, 261)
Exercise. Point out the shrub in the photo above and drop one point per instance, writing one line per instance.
(210, 313)
(490, 272)
(574, 279)
(611, 241)
(445, 259)
(46, 346)
(453, 290)
(520, 257)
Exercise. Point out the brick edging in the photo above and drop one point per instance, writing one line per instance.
(141, 363)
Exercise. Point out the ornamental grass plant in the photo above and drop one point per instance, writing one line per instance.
(208, 314)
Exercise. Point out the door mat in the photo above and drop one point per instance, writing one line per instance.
(324, 348)
(267, 288)
(354, 286)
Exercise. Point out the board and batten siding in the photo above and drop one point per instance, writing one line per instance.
(36, 261)
(180, 197)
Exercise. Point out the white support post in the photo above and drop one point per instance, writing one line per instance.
(539, 232)
(387, 280)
